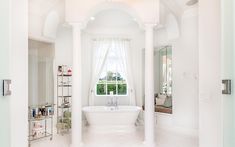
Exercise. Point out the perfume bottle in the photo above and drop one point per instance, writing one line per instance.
(34, 113)
(60, 70)
(69, 72)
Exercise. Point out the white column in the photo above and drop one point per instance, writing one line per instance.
(77, 88)
(149, 87)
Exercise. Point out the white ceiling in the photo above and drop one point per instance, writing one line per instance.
(42, 7)
(116, 19)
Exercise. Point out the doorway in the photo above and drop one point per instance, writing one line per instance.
(227, 71)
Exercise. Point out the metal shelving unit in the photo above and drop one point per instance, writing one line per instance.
(39, 123)
(64, 97)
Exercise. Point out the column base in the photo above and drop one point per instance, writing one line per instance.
(80, 145)
(149, 144)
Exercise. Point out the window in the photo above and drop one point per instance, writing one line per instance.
(112, 80)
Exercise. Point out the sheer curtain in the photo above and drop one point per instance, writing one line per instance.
(100, 53)
(124, 53)
(41, 79)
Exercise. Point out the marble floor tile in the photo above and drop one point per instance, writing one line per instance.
(122, 138)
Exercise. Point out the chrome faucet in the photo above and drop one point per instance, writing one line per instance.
(113, 102)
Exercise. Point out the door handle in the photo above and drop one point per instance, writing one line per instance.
(227, 87)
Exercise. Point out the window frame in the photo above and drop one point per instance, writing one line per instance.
(116, 83)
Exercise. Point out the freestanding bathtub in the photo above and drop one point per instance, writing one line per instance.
(110, 116)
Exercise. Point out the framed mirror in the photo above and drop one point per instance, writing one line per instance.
(163, 79)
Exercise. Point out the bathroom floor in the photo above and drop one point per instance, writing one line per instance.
(122, 138)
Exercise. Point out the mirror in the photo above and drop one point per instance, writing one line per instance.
(163, 79)
(41, 83)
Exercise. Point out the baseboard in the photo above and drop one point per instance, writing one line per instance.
(79, 145)
(149, 144)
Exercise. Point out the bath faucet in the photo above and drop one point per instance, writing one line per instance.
(113, 102)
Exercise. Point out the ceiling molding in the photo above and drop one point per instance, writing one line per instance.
(173, 6)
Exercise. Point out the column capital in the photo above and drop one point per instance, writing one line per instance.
(149, 25)
(77, 25)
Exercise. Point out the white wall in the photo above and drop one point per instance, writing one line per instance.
(227, 72)
(78, 11)
(63, 46)
(185, 75)
(210, 97)
(19, 72)
(63, 56)
(121, 25)
(233, 66)
(44, 18)
(63, 52)
(4, 72)
(61, 49)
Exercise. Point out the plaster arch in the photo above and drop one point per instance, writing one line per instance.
(119, 6)
(146, 12)
(172, 27)
(51, 24)
(169, 32)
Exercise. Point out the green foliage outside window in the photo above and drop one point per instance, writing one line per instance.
(101, 89)
(122, 89)
(111, 82)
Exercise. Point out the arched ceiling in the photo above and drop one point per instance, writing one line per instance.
(43, 7)
(146, 11)
(114, 15)
(177, 7)
(183, 4)
(40, 9)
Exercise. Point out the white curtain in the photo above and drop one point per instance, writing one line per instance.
(100, 53)
(122, 50)
(41, 81)
(123, 53)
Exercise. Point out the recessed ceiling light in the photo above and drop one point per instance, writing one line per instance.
(191, 2)
(92, 18)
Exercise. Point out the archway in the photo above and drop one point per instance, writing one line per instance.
(78, 29)
(118, 6)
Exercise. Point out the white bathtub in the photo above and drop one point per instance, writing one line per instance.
(109, 116)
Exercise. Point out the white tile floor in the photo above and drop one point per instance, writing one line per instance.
(114, 138)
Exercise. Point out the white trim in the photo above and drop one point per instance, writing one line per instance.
(41, 38)
(111, 95)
